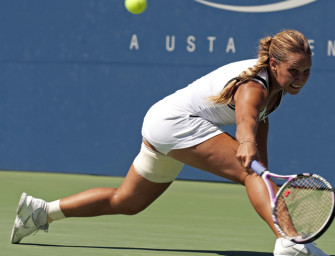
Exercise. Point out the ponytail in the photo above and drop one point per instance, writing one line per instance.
(277, 47)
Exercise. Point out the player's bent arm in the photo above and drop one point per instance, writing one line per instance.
(250, 98)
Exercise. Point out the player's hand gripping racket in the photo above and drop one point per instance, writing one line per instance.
(303, 207)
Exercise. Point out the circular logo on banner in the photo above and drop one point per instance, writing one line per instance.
(273, 7)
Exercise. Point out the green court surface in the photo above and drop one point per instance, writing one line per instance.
(190, 218)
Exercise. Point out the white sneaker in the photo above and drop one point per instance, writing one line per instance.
(31, 216)
(286, 247)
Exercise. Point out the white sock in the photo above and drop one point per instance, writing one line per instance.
(54, 211)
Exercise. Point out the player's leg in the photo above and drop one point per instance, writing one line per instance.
(133, 196)
(218, 156)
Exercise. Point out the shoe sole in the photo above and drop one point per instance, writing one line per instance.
(18, 211)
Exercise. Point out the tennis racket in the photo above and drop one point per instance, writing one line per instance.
(303, 207)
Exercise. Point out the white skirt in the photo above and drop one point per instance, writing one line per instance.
(168, 129)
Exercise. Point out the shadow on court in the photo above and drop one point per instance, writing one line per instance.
(214, 252)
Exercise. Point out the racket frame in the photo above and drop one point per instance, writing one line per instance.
(266, 175)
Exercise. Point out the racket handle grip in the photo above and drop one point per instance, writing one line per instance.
(257, 167)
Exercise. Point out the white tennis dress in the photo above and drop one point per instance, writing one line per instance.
(187, 117)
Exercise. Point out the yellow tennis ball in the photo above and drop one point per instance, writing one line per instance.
(135, 6)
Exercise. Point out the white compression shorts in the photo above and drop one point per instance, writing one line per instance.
(155, 166)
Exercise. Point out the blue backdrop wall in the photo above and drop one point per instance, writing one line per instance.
(77, 77)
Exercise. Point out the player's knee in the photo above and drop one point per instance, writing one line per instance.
(241, 180)
(251, 176)
(133, 209)
(244, 176)
(126, 205)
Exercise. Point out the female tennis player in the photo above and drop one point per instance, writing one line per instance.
(185, 128)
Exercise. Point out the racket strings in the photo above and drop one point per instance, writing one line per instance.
(304, 206)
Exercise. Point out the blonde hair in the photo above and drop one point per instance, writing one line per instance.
(276, 47)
